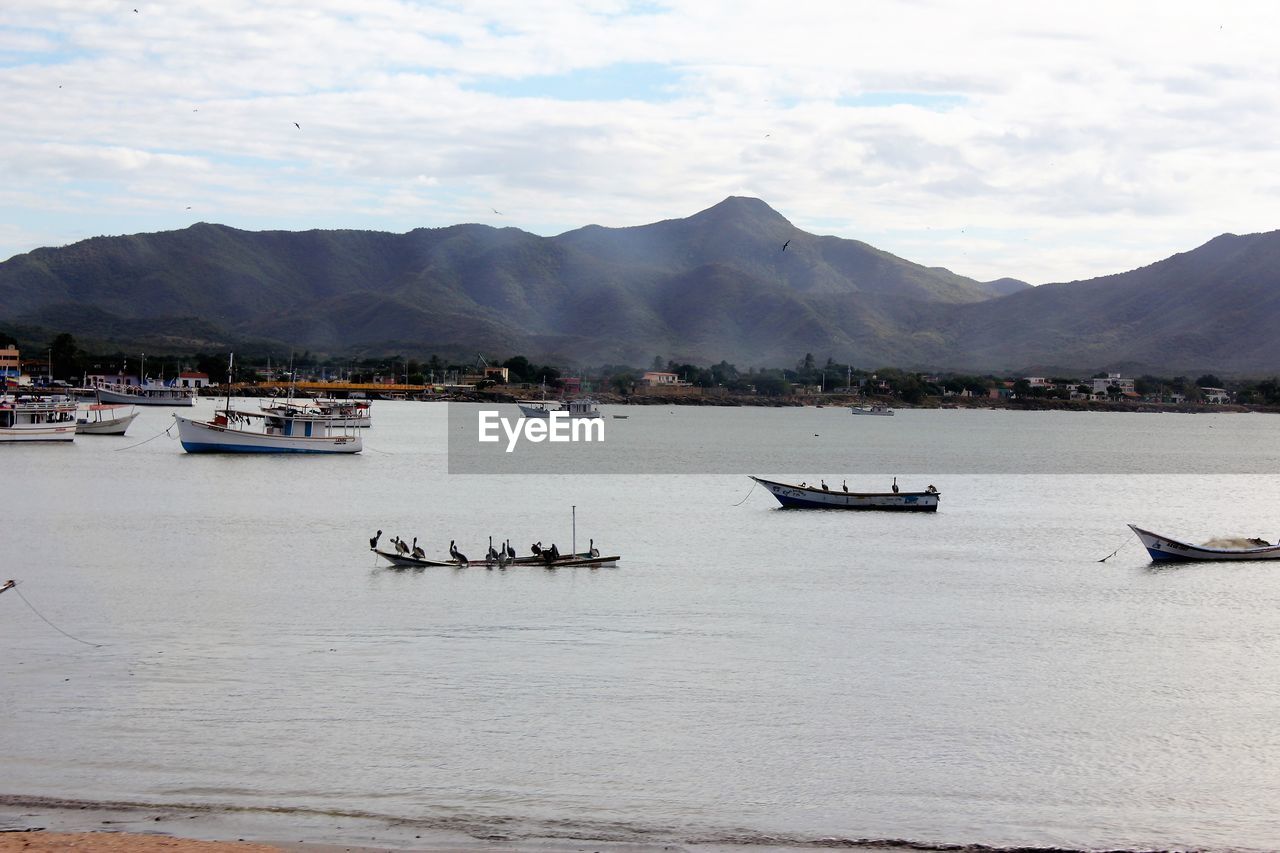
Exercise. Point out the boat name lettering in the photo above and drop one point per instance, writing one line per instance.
(556, 427)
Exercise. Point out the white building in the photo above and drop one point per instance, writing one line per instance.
(1215, 395)
(1100, 385)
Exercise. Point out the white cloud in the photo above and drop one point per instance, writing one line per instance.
(1074, 141)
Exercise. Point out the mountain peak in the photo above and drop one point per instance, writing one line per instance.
(743, 208)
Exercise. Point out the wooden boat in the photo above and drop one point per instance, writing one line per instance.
(341, 413)
(37, 420)
(104, 419)
(876, 409)
(1162, 548)
(233, 431)
(805, 496)
(584, 558)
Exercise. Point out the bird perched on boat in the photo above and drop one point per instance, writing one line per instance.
(536, 549)
(503, 559)
(824, 485)
(844, 484)
(492, 554)
(401, 546)
(555, 552)
(457, 555)
(373, 540)
(591, 548)
(418, 552)
(511, 552)
(895, 485)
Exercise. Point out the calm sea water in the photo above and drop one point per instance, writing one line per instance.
(744, 675)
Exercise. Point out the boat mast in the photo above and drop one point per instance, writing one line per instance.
(231, 360)
(574, 542)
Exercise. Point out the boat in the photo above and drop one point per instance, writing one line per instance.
(1163, 548)
(233, 431)
(584, 408)
(149, 393)
(876, 409)
(340, 413)
(584, 558)
(621, 417)
(805, 496)
(104, 419)
(30, 419)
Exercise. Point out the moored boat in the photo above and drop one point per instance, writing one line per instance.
(150, 393)
(876, 409)
(37, 420)
(1165, 549)
(805, 496)
(233, 431)
(340, 413)
(104, 419)
(583, 558)
(584, 408)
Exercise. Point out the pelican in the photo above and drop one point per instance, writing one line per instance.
(536, 548)
(511, 552)
(591, 548)
(401, 547)
(457, 555)
(895, 485)
(373, 541)
(555, 552)
(503, 558)
(492, 555)
(418, 552)
(844, 484)
(824, 485)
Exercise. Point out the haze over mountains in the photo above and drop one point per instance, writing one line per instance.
(716, 285)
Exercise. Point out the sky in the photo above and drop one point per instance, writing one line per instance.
(1047, 142)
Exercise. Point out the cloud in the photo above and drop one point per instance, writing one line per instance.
(1074, 141)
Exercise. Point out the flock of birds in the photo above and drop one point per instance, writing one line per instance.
(503, 555)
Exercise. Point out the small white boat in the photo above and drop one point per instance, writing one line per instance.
(233, 431)
(1163, 548)
(876, 409)
(805, 496)
(150, 393)
(37, 420)
(584, 408)
(104, 419)
(340, 413)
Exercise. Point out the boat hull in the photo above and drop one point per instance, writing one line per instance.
(404, 561)
(106, 426)
(38, 432)
(1165, 550)
(874, 411)
(804, 497)
(204, 437)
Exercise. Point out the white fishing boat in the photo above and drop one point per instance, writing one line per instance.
(876, 409)
(584, 408)
(341, 413)
(104, 419)
(1163, 548)
(233, 431)
(150, 393)
(37, 420)
(805, 496)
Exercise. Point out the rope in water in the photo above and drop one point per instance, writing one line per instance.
(50, 624)
(749, 491)
(153, 438)
(1127, 540)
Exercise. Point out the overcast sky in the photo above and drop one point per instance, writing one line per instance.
(1042, 141)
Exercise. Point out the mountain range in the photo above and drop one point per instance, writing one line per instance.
(736, 281)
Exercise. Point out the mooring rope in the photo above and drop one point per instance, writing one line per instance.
(749, 491)
(50, 624)
(1127, 540)
(153, 438)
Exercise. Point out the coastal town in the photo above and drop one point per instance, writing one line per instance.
(665, 382)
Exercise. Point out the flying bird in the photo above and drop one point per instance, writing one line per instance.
(785, 245)
(298, 126)
(495, 210)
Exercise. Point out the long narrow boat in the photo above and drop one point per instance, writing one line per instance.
(583, 558)
(1163, 548)
(152, 393)
(805, 496)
